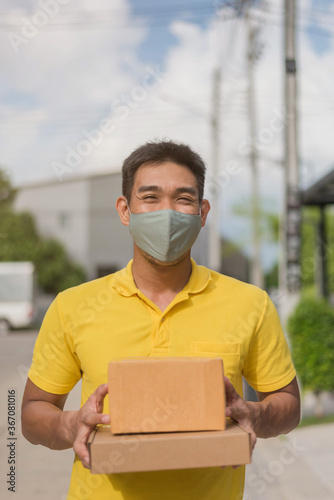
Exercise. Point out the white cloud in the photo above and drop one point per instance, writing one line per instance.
(61, 81)
(64, 82)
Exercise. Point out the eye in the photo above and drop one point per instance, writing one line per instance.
(149, 197)
(185, 199)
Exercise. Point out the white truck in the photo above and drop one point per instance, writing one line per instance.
(17, 294)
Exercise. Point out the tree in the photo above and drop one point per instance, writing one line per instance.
(310, 258)
(18, 236)
(311, 328)
(55, 271)
(268, 225)
(271, 277)
(268, 218)
(7, 192)
(20, 241)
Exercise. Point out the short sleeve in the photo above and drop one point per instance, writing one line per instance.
(55, 367)
(268, 365)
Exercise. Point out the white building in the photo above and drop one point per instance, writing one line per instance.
(80, 212)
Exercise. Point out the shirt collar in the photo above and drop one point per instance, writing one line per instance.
(198, 281)
(199, 278)
(124, 282)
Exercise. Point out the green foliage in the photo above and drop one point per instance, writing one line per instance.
(271, 278)
(312, 420)
(20, 241)
(311, 329)
(310, 219)
(18, 236)
(7, 192)
(330, 249)
(54, 269)
(310, 259)
(267, 218)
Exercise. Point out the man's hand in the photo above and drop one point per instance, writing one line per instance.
(239, 410)
(276, 412)
(89, 415)
(45, 422)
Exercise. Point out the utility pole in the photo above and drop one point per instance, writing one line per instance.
(290, 273)
(256, 269)
(214, 236)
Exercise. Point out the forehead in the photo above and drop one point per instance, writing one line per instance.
(167, 174)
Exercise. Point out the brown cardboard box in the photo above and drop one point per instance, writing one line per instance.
(111, 453)
(166, 395)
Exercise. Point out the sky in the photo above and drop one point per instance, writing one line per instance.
(82, 84)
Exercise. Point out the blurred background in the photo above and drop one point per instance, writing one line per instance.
(248, 85)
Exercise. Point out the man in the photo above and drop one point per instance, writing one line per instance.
(162, 304)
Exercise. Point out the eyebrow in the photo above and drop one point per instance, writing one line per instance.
(179, 190)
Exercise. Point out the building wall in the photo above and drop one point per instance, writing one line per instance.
(234, 263)
(110, 243)
(61, 211)
(199, 251)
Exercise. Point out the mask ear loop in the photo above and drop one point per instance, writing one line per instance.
(128, 206)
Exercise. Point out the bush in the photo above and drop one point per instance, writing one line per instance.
(55, 272)
(19, 238)
(20, 241)
(311, 329)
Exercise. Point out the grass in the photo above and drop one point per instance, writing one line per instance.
(327, 419)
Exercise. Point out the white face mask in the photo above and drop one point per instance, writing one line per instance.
(166, 235)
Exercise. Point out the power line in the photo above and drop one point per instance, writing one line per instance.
(108, 19)
(94, 19)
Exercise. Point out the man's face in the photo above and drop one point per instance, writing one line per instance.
(159, 187)
(165, 186)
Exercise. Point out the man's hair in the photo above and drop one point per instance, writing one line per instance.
(155, 153)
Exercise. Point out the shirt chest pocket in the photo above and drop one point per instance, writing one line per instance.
(228, 351)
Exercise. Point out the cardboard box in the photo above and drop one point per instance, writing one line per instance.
(111, 453)
(166, 395)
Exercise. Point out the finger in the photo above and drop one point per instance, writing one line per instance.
(92, 419)
(236, 412)
(101, 391)
(228, 383)
(99, 395)
(81, 450)
(228, 412)
(253, 439)
(80, 444)
(230, 393)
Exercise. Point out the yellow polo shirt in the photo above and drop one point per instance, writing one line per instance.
(214, 315)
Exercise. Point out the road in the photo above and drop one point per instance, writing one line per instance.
(40, 473)
(294, 467)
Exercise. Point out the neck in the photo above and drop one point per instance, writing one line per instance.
(159, 283)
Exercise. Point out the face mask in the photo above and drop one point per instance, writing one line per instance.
(166, 235)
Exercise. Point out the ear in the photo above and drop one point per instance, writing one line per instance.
(205, 209)
(123, 210)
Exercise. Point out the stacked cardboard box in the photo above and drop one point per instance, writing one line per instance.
(167, 413)
(166, 395)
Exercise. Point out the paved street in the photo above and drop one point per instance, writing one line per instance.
(42, 474)
(294, 467)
